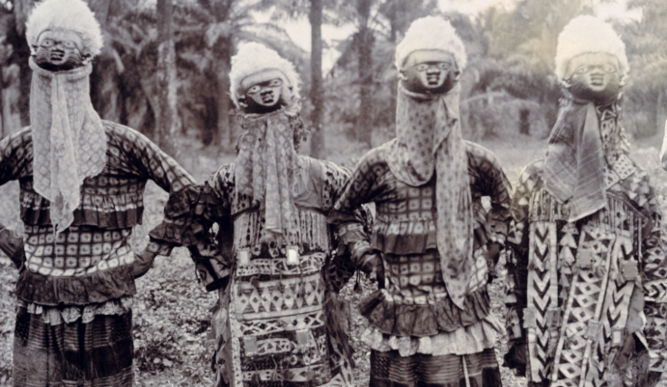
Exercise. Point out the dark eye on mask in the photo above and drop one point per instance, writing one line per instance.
(421, 67)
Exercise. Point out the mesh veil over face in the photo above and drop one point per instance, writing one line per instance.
(69, 140)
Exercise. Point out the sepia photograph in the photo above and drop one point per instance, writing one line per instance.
(333, 193)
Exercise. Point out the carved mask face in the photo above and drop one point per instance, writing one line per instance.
(264, 92)
(429, 71)
(58, 50)
(594, 76)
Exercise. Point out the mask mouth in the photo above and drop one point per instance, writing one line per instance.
(57, 56)
(268, 97)
(597, 80)
(433, 79)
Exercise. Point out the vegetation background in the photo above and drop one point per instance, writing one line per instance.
(164, 72)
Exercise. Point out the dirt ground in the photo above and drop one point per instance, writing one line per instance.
(173, 344)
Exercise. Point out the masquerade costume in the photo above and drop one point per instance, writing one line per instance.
(82, 182)
(430, 323)
(278, 319)
(587, 263)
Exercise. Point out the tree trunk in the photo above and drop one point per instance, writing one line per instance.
(167, 121)
(223, 136)
(365, 47)
(316, 87)
(20, 55)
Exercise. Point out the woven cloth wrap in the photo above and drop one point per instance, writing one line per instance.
(69, 142)
(574, 166)
(428, 139)
(264, 168)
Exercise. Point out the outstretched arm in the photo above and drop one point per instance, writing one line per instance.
(150, 162)
(189, 219)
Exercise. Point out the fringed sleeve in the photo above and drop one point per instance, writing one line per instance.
(190, 215)
(516, 296)
(350, 227)
(351, 219)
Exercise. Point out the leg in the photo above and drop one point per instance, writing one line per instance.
(389, 369)
(96, 353)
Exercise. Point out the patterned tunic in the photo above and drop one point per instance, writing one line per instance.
(414, 314)
(580, 291)
(75, 288)
(276, 321)
(91, 261)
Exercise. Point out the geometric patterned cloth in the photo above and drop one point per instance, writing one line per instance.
(277, 321)
(91, 261)
(585, 299)
(74, 318)
(415, 302)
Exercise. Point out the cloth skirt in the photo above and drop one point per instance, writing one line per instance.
(94, 354)
(389, 369)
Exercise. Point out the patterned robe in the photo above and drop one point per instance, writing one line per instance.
(413, 314)
(586, 298)
(278, 320)
(74, 321)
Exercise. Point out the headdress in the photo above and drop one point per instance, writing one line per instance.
(71, 15)
(252, 58)
(431, 33)
(585, 34)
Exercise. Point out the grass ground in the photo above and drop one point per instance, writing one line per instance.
(172, 342)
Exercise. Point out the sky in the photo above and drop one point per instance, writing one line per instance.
(299, 31)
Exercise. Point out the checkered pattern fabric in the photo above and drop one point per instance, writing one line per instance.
(95, 247)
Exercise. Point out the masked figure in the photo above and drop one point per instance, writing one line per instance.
(433, 244)
(81, 182)
(278, 320)
(587, 270)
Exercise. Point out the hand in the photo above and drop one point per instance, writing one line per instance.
(142, 263)
(492, 254)
(371, 264)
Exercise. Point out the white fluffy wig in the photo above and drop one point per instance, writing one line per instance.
(252, 58)
(431, 33)
(71, 15)
(585, 34)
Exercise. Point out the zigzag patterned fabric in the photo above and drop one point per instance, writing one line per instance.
(580, 299)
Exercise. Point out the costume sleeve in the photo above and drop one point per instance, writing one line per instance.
(15, 162)
(156, 165)
(12, 246)
(15, 156)
(654, 278)
(350, 230)
(198, 217)
(350, 218)
(145, 159)
(517, 271)
(490, 180)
